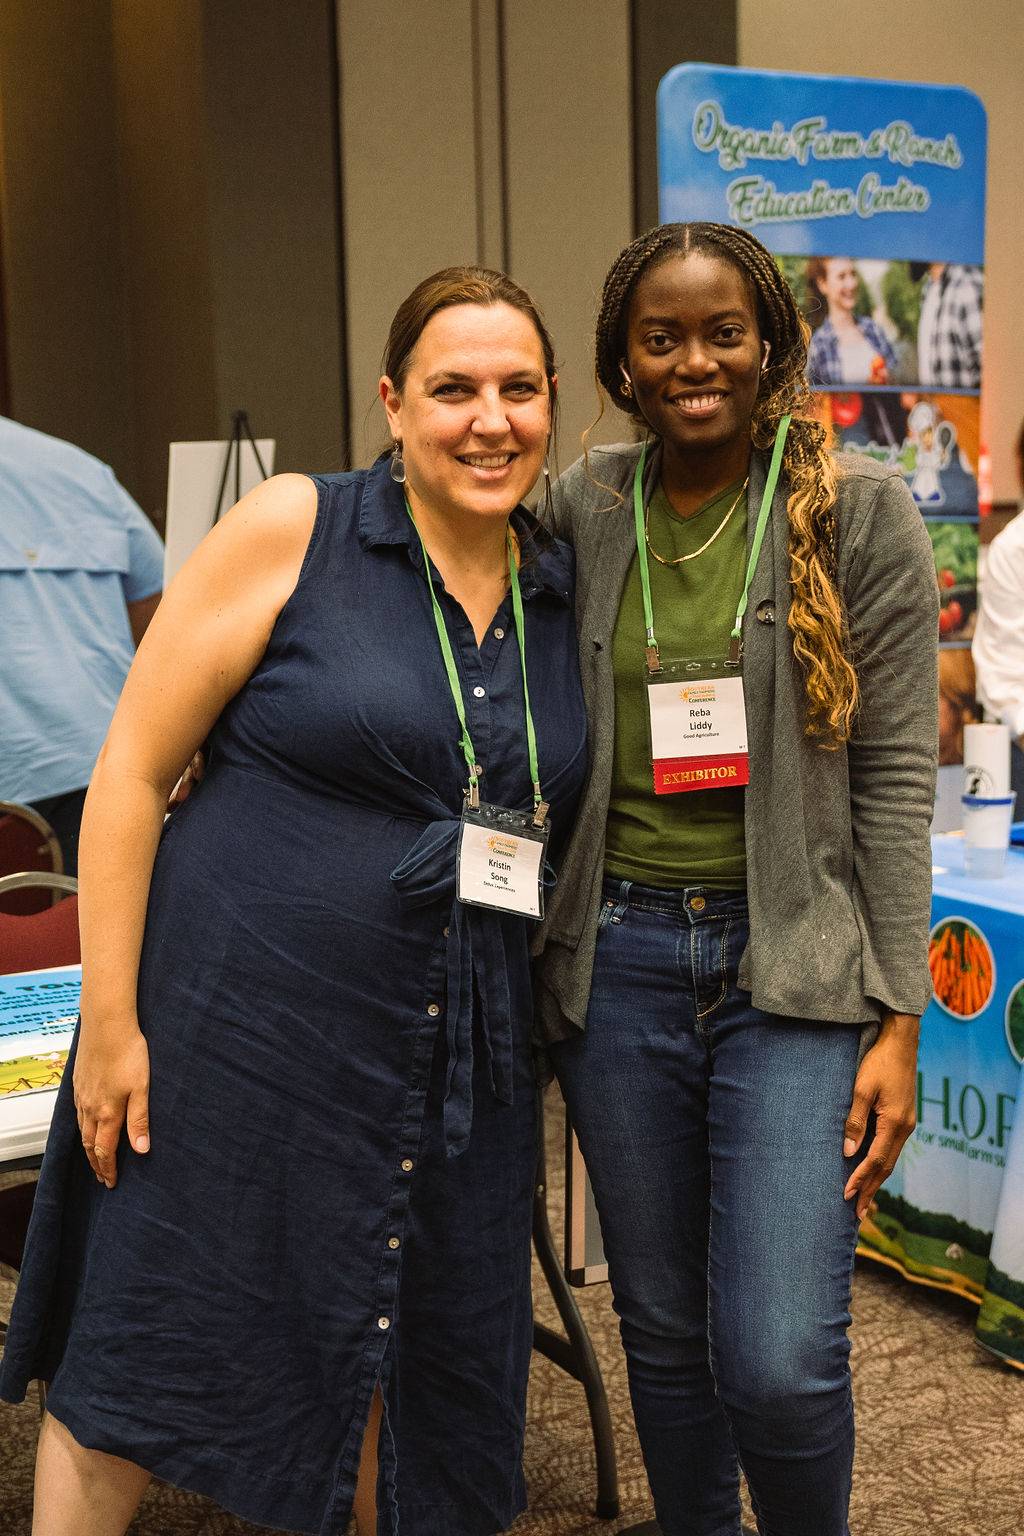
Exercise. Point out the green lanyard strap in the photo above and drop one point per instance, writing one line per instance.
(473, 792)
(652, 652)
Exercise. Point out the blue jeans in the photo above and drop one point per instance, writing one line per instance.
(713, 1136)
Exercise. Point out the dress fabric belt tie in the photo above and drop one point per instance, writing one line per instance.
(477, 963)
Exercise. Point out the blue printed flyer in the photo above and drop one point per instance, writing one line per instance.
(38, 1012)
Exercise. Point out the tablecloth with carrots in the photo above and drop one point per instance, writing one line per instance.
(952, 1213)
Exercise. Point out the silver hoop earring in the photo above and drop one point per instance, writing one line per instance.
(397, 464)
(546, 472)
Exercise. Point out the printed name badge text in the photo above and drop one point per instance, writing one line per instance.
(698, 734)
(500, 869)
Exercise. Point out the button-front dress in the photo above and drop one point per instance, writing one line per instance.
(339, 1190)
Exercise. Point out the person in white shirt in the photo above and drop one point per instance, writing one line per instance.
(998, 646)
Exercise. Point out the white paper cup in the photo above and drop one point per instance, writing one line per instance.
(986, 760)
(987, 822)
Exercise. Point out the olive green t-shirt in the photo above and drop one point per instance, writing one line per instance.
(693, 838)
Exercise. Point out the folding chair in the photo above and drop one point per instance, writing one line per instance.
(44, 936)
(27, 843)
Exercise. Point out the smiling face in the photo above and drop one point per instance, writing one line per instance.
(694, 352)
(838, 287)
(473, 413)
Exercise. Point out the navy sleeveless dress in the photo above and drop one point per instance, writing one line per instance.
(339, 1190)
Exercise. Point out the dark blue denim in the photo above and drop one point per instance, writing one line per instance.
(713, 1136)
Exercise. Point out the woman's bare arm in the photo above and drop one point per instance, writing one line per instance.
(205, 640)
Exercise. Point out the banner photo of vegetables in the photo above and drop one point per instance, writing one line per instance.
(963, 971)
(1015, 1023)
(955, 547)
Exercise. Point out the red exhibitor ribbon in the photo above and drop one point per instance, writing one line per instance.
(674, 774)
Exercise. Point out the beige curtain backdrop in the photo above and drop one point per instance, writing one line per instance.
(170, 222)
(482, 132)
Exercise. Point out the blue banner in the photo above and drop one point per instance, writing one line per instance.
(821, 163)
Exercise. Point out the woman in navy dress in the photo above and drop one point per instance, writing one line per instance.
(313, 1238)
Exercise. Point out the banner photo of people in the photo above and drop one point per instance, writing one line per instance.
(871, 195)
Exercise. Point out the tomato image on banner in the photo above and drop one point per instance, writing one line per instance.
(846, 410)
(955, 547)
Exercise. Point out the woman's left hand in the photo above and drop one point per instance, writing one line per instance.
(887, 1084)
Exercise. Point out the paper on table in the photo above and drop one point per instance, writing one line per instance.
(38, 1012)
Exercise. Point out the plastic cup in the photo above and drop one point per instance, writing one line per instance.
(987, 822)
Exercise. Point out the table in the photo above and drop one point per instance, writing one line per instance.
(952, 1213)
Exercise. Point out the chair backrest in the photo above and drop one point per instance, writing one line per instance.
(36, 940)
(27, 842)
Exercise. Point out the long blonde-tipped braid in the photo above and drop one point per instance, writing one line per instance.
(817, 622)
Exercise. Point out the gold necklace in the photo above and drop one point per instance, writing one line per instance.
(681, 559)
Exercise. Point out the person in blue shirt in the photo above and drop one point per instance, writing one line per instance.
(81, 568)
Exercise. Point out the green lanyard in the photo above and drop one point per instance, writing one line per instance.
(653, 655)
(473, 793)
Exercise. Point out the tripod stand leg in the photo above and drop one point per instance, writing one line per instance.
(576, 1354)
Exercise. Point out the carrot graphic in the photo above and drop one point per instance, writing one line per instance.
(960, 964)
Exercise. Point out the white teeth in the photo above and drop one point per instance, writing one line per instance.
(487, 460)
(697, 402)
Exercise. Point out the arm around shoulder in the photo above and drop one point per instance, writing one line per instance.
(597, 482)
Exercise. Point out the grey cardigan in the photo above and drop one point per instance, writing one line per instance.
(838, 852)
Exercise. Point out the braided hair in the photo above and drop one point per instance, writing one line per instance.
(817, 622)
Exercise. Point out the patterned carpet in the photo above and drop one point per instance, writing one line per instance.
(940, 1426)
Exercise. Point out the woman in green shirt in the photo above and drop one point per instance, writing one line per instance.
(734, 960)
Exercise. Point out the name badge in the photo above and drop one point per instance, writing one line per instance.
(698, 726)
(501, 860)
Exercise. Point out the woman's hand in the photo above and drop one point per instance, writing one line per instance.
(111, 1082)
(193, 775)
(887, 1084)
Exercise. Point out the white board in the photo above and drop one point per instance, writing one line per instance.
(194, 473)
